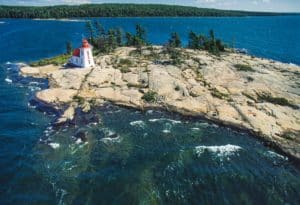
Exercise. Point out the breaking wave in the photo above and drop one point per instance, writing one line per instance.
(220, 151)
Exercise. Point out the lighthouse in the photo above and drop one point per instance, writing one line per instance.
(83, 56)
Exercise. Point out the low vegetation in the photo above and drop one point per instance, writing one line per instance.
(244, 68)
(216, 93)
(80, 100)
(208, 43)
(57, 60)
(150, 96)
(266, 97)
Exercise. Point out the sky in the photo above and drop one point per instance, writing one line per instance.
(251, 5)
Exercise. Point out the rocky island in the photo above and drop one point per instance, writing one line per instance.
(238, 90)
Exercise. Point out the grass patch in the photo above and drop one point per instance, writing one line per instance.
(133, 85)
(217, 94)
(125, 62)
(250, 79)
(291, 135)
(124, 70)
(78, 99)
(276, 100)
(150, 97)
(244, 68)
(124, 65)
(249, 96)
(57, 60)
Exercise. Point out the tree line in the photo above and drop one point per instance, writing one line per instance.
(117, 10)
(105, 41)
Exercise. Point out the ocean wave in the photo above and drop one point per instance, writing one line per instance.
(54, 145)
(63, 20)
(275, 155)
(165, 119)
(138, 123)
(8, 80)
(107, 140)
(195, 128)
(220, 151)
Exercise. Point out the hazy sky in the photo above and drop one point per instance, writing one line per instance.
(254, 5)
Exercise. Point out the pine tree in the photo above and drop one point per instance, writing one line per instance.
(69, 47)
(119, 37)
(90, 30)
(175, 40)
(193, 41)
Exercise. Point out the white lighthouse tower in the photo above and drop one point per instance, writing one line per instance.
(83, 56)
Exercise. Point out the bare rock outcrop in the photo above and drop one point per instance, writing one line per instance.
(259, 95)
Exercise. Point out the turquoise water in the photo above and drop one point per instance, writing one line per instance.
(133, 157)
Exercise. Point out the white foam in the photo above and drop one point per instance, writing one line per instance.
(107, 140)
(220, 151)
(149, 112)
(195, 128)
(154, 120)
(276, 155)
(64, 20)
(54, 145)
(166, 131)
(164, 119)
(138, 123)
(8, 80)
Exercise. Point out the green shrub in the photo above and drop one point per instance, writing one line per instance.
(216, 93)
(276, 100)
(150, 97)
(250, 79)
(124, 70)
(57, 60)
(244, 67)
(125, 62)
(133, 85)
(177, 88)
(78, 99)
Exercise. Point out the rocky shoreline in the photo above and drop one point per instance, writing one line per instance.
(236, 90)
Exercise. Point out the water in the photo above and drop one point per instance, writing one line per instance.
(134, 157)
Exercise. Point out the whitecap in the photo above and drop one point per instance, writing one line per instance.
(149, 112)
(8, 80)
(175, 121)
(107, 140)
(138, 123)
(154, 120)
(195, 128)
(164, 119)
(220, 151)
(54, 145)
(276, 155)
(166, 131)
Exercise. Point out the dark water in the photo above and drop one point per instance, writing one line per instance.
(133, 157)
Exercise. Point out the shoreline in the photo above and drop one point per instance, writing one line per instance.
(226, 105)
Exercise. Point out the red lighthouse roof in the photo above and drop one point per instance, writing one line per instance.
(85, 44)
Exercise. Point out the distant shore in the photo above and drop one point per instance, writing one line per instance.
(122, 10)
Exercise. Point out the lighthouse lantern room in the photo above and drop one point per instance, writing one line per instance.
(83, 56)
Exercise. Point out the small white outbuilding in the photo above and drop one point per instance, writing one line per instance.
(83, 56)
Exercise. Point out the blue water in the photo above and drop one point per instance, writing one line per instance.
(131, 157)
